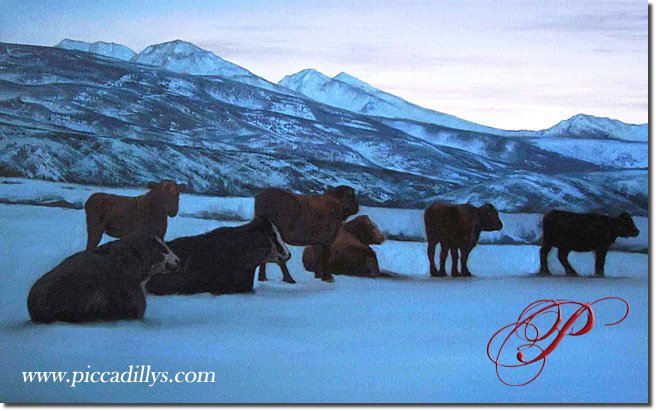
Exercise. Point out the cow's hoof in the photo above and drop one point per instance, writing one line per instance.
(572, 274)
(317, 275)
(330, 279)
(455, 274)
(544, 272)
(262, 279)
(466, 274)
(289, 280)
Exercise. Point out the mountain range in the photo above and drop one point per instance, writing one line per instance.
(89, 113)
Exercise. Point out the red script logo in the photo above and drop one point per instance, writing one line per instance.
(525, 335)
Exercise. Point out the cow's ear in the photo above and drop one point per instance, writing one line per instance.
(152, 185)
(182, 187)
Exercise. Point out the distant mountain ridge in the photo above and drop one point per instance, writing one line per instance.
(90, 119)
(350, 93)
(588, 126)
(117, 51)
(184, 57)
(347, 92)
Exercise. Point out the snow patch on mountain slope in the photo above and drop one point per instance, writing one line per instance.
(613, 153)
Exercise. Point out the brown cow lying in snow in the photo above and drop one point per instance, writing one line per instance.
(457, 227)
(350, 252)
(306, 220)
(119, 216)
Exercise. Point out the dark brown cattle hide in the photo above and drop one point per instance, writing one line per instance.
(119, 215)
(457, 228)
(306, 220)
(350, 252)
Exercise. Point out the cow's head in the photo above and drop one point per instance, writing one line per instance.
(625, 227)
(489, 218)
(167, 195)
(365, 230)
(279, 252)
(154, 256)
(346, 197)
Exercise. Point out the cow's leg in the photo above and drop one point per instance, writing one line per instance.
(431, 258)
(544, 253)
(286, 276)
(315, 255)
(123, 303)
(261, 273)
(600, 262)
(444, 252)
(454, 262)
(136, 307)
(372, 267)
(562, 257)
(464, 256)
(94, 235)
(95, 230)
(324, 258)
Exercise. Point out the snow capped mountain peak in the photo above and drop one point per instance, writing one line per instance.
(117, 51)
(586, 125)
(183, 57)
(176, 47)
(304, 79)
(350, 93)
(354, 81)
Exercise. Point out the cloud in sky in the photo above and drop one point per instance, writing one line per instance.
(511, 64)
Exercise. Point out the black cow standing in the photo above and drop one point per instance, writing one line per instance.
(222, 261)
(582, 232)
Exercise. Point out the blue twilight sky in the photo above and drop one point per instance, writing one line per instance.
(510, 64)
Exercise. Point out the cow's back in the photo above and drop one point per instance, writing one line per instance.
(115, 210)
(279, 206)
(577, 232)
(449, 223)
(301, 220)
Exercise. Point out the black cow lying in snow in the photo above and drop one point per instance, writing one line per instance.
(582, 232)
(101, 284)
(222, 261)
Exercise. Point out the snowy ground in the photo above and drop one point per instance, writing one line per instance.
(408, 339)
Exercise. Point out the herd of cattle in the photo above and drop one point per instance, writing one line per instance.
(104, 282)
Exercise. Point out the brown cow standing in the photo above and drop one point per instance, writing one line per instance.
(350, 252)
(119, 216)
(457, 227)
(306, 220)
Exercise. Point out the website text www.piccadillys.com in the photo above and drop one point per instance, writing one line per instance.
(134, 374)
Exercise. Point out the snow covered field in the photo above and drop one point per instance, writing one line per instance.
(405, 339)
